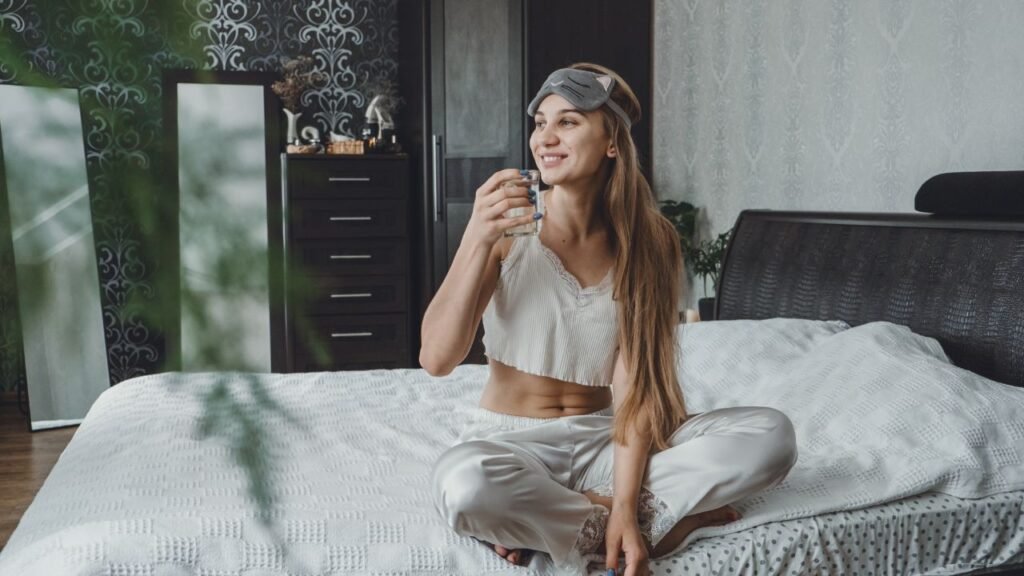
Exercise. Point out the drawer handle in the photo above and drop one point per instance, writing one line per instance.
(342, 179)
(351, 334)
(351, 256)
(351, 218)
(353, 295)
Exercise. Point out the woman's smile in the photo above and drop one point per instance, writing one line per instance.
(551, 160)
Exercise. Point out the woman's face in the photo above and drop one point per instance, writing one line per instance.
(568, 145)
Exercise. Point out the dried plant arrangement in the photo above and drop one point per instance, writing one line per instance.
(298, 76)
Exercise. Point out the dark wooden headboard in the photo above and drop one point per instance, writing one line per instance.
(956, 280)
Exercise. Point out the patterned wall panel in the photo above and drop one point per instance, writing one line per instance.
(831, 105)
(114, 52)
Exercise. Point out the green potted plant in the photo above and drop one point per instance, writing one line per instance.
(683, 216)
(706, 261)
(704, 258)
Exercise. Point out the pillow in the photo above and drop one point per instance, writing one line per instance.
(885, 405)
(972, 194)
(719, 363)
(879, 414)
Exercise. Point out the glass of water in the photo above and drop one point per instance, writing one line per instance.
(530, 228)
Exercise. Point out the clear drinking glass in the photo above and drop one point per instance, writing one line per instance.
(531, 228)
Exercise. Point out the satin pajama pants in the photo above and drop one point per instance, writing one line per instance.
(517, 481)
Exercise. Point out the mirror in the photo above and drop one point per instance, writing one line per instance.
(44, 183)
(224, 147)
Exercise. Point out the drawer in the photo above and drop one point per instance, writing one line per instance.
(348, 218)
(356, 338)
(311, 365)
(355, 295)
(351, 257)
(347, 179)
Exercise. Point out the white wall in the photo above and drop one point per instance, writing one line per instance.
(831, 104)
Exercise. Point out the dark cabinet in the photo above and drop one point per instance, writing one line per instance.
(467, 69)
(347, 262)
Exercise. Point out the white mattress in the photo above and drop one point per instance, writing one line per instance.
(139, 493)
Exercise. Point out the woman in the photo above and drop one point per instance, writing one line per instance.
(582, 436)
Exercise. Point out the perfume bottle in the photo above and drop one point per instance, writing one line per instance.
(370, 134)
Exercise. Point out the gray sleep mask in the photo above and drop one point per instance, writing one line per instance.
(583, 89)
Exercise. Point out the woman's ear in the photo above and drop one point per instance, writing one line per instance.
(612, 152)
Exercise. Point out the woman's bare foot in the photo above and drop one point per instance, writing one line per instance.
(682, 529)
(513, 555)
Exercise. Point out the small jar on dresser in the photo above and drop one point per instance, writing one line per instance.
(346, 262)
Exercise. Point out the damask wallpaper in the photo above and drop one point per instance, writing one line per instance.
(832, 104)
(114, 53)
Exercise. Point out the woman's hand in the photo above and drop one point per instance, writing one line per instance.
(497, 195)
(623, 535)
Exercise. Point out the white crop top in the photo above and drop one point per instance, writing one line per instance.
(541, 321)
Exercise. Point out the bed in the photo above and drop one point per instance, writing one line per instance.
(806, 300)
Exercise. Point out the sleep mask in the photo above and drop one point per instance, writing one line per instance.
(583, 89)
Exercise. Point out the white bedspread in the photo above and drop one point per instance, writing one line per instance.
(879, 412)
(879, 415)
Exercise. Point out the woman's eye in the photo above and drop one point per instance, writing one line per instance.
(568, 123)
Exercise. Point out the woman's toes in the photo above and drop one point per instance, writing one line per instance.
(509, 554)
(720, 516)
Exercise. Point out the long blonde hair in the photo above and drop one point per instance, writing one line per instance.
(648, 264)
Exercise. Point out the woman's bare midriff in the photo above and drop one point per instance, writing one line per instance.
(514, 392)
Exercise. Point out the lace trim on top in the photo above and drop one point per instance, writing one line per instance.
(568, 277)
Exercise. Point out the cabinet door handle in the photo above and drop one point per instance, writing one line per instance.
(351, 218)
(354, 295)
(351, 256)
(348, 179)
(438, 208)
(351, 334)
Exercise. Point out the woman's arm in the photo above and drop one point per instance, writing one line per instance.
(629, 465)
(630, 460)
(450, 322)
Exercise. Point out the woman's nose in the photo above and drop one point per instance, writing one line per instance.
(547, 135)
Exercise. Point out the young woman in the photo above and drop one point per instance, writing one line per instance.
(582, 435)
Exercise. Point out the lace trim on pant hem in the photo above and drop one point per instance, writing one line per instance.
(653, 514)
(591, 534)
(654, 517)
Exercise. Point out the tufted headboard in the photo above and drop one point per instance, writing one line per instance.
(959, 281)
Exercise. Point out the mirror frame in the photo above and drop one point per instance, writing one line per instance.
(22, 398)
(170, 254)
(7, 245)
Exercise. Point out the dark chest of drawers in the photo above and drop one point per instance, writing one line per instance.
(346, 262)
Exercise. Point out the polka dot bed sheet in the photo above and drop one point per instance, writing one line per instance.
(930, 533)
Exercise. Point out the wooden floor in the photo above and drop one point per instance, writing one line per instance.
(26, 459)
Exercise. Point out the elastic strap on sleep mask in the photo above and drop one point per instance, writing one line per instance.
(583, 89)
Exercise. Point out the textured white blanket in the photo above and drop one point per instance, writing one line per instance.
(879, 414)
